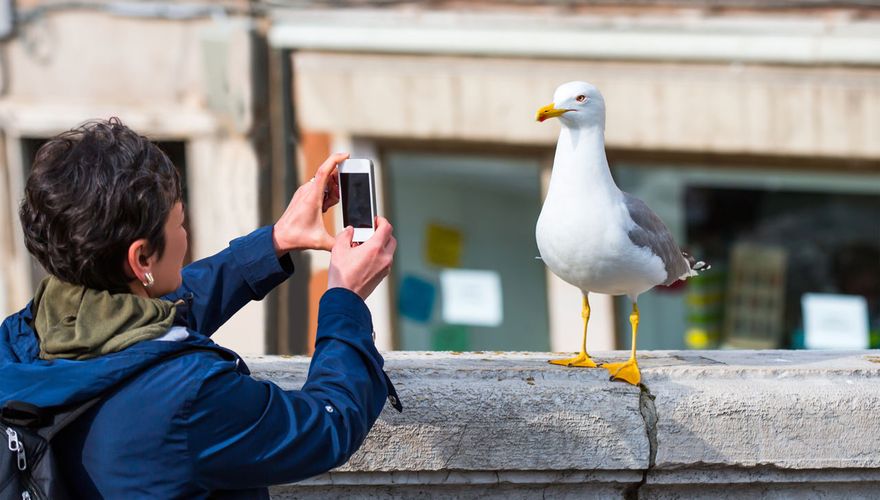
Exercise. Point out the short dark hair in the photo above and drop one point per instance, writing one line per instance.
(91, 192)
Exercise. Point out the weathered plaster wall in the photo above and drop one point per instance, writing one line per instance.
(177, 80)
(706, 108)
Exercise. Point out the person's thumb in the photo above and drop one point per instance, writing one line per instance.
(343, 239)
(323, 172)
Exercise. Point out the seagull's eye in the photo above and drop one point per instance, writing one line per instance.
(581, 98)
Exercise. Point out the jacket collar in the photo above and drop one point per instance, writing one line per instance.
(26, 377)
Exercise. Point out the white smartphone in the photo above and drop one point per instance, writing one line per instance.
(357, 192)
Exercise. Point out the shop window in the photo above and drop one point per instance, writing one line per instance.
(772, 247)
(465, 272)
(774, 239)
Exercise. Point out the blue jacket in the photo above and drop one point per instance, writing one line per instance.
(197, 424)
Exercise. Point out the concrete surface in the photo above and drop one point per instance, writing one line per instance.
(720, 424)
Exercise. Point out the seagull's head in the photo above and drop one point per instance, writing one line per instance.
(577, 105)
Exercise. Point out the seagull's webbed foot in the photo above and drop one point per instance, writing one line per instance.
(582, 360)
(627, 371)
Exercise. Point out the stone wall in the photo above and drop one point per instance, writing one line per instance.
(713, 424)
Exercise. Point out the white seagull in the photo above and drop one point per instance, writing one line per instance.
(593, 235)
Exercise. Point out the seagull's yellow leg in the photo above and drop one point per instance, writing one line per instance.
(628, 371)
(583, 359)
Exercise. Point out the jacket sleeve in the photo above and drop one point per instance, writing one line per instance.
(245, 433)
(216, 287)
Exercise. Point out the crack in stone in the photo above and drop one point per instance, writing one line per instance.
(457, 449)
(648, 410)
(649, 413)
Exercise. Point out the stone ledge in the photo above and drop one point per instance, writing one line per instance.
(496, 421)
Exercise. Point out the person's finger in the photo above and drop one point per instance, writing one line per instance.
(331, 194)
(390, 241)
(328, 204)
(385, 229)
(326, 169)
(382, 233)
(390, 246)
(333, 185)
(382, 222)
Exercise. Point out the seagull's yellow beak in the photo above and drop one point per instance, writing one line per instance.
(549, 111)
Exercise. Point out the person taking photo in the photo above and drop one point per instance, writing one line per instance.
(120, 321)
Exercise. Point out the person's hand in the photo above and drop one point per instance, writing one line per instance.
(301, 226)
(361, 268)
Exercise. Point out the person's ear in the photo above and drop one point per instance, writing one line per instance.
(140, 260)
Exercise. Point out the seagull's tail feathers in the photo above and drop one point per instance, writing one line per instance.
(695, 267)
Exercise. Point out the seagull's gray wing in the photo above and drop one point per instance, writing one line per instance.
(650, 232)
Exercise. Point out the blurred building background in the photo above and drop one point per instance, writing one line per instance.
(751, 127)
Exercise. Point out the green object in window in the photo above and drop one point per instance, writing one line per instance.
(451, 338)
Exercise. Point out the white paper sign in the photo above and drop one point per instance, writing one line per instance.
(835, 321)
(471, 297)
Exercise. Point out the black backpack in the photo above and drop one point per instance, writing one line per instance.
(27, 463)
(27, 467)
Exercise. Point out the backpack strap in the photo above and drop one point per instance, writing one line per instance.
(65, 418)
(24, 414)
(50, 422)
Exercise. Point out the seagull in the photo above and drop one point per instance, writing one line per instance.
(593, 235)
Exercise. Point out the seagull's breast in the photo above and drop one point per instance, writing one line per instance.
(584, 241)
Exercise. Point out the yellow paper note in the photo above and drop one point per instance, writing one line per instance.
(443, 246)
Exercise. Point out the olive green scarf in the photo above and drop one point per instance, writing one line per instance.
(75, 322)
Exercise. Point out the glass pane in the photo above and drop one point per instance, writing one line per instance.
(454, 212)
(776, 246)
(771, 237)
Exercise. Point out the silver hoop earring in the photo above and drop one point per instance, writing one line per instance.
(150, 280)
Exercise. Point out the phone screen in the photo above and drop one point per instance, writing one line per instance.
(356, 209)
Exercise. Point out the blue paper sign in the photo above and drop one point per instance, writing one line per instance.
(416, 301)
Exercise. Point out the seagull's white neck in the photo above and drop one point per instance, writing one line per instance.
(580, 168)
